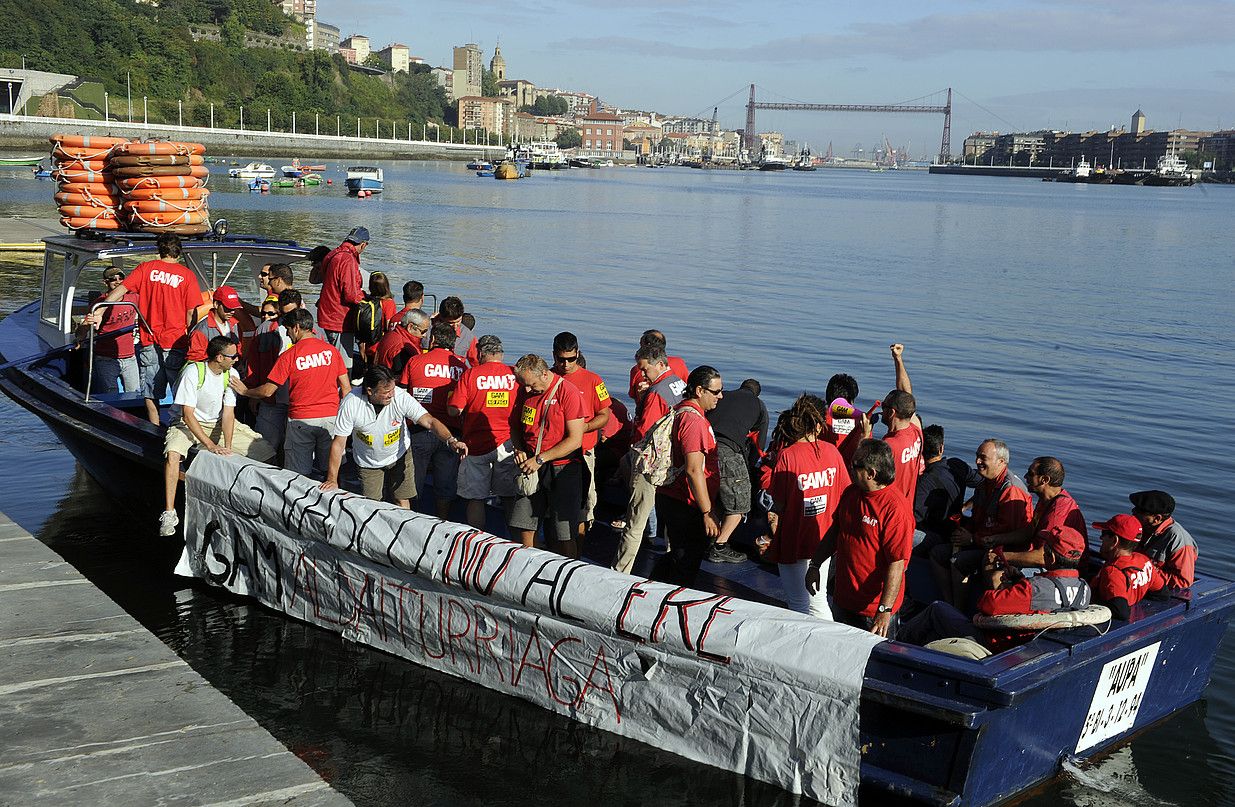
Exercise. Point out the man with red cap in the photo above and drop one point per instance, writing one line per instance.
(1171, 547)
(1128, 574)
(220, 320)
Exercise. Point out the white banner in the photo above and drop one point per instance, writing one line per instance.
(742, 686)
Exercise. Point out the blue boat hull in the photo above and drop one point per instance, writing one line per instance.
(357, 184)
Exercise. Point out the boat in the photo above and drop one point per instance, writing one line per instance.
(937, 728)
(293, 171)
(540, 154)
(20, 161)
(259, 185)
(487, 173)
(41, 171)
(363, 178)
(583, 162)
(1171, 172)
(480, 165)
(512, 169)
(1084, 173)
(804, 162)
(302, 181)
(773, 162)
(251, 171)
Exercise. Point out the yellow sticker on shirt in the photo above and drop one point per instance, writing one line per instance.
(497, 399)
(602, 394)
(366, 437)
(529, 415)
(393, 437)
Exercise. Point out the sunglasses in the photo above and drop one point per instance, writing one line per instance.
(263, 274)
(228, 355)
(269, 314)
(716, 392)
(115, 279)
(568, 359)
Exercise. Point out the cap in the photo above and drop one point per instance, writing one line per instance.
(1123, 525)
(113, 273)
(1064, 542)
(227, 296)
(358, 235)
(1153, 502)
(489, 345)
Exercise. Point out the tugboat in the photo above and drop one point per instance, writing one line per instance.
(1171, 172)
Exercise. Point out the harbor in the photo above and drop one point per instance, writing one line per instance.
(457, 198)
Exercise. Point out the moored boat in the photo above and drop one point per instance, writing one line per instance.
(1172, 172)
(20, 161)
(480, 165)
(364, 178)
(252, 171)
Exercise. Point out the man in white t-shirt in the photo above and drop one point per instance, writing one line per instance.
(376, 414)
(204, 414)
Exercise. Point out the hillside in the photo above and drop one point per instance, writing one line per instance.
(107, 39)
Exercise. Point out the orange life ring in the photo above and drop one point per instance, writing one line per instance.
(82, 164)
(88, 199)
(142, 219)
(71, 175)
(159, 182)
(178, 229)
(155, 206)
(165, 194)
(86, 141)
(87, 212)
(96, 224)
(157, 159)
(161, 147)
(60, 153)
(94, 188)
(130, 171)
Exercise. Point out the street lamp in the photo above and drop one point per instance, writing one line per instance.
(145, 112)
(267, 120)
(180, 112)
(242, 117)
(212, 116)
(316, 130)
(293, 121)
(129, 88)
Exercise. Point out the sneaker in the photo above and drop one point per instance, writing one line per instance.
(168, 521)
(723, 553)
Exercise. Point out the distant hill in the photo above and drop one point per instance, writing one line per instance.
(107, 39)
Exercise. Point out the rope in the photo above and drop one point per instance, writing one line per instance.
(1012, 126)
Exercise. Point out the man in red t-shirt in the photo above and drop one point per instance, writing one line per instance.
(396, 348)
(595, 414)
(638, 383)
(1023, 547)
(689, 504)
(342, 288)
(220, 320)
(167, 295)
(483, 399)
(904, 438)
(451, 311)
(546, 430)
(871, 538)
(1128, 575)
(431, 378)
(316, 380)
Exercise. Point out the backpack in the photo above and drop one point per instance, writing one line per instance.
(369, 320)
(654, 452)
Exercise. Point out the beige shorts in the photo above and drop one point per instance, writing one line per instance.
(399, 477)
(245, 441)
(485, 475)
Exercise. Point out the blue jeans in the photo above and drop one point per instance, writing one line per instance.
(108, 371)
(159, 368)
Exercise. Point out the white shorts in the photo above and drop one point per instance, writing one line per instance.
(491, 474)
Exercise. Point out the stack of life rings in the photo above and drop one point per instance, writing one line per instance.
(154, 187)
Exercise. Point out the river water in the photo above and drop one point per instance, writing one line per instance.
(1091, 323)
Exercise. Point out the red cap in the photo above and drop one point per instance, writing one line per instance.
(1064, 541)
(1123, 525)
(228, 297)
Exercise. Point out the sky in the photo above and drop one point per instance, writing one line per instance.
(1013, 66)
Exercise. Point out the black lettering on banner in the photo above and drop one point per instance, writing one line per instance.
(683, 607)
(270, 551)
(356, 543)
(359, 602)
(214, 528)
(632, 593)
(717, 608)
(406, 521)
(461, 548)
(557, 584)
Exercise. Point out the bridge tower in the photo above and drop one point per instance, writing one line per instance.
(945, 148)
(751, 139)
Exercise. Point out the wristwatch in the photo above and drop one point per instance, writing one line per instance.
(538, 459)
(884, 609)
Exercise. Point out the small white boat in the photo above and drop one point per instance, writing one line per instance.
(364, 178)
(252, 171)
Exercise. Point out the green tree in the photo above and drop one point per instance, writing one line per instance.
(569, 139)
(488, 83)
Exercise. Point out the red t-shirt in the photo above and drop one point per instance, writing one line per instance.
(115, 318)
(310, 368)
(431, 377)
(1129, 578)
(692, 432)
(340, 286)
(906, 445)
(1013, 510)
(807, 482)
(560, 403)
(652, 408)
(166, 292)
(1062, 511)
(872, 531)
(396, 341)
(842, 433)
(595, 398)
(201, 335)
(486, 395)
(676, 366)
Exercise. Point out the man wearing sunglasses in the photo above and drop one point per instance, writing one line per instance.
(595, 416)
(114, 354)
(204, 414)
(269, 342)
(405, 340)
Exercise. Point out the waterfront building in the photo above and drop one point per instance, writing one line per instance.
(687, 126)
(522, 92)
(322, 35)
(578, 104)
(446, 80)
(1138, 123)
(415, 60)
(1218, 148)
(602, 135)
(1020, 148)
(497, 65)
(771, 143)
(528, 127)
(302, 10)
(348, 54)
(358, 43)
(979, 148)
(468, 70)
(395, 57)
(490, 114)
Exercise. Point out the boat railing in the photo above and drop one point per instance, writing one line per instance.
(90, 354)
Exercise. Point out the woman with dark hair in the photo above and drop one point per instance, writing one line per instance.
(688, 502)
(871, 536)
(807, 483)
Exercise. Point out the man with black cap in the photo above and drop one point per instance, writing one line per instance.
(342, 289)
(1128, 574)
(1168, 545)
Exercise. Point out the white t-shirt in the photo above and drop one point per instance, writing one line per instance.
(380, 438)
(208, 400)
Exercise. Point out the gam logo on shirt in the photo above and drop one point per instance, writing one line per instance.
(166, 278)
(912, 452)
(442, 371)
(817, 479)
(485, 383)
(870, 520)
(311, 360)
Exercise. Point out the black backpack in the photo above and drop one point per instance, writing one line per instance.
(369, 320)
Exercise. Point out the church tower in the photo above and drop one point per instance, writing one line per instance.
(1138, 123)
(497, 65)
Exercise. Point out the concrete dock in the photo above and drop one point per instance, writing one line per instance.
(97, 710)
(26, 233)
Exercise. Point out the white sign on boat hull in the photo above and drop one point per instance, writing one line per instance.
(1117, 696)
(741, 686)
